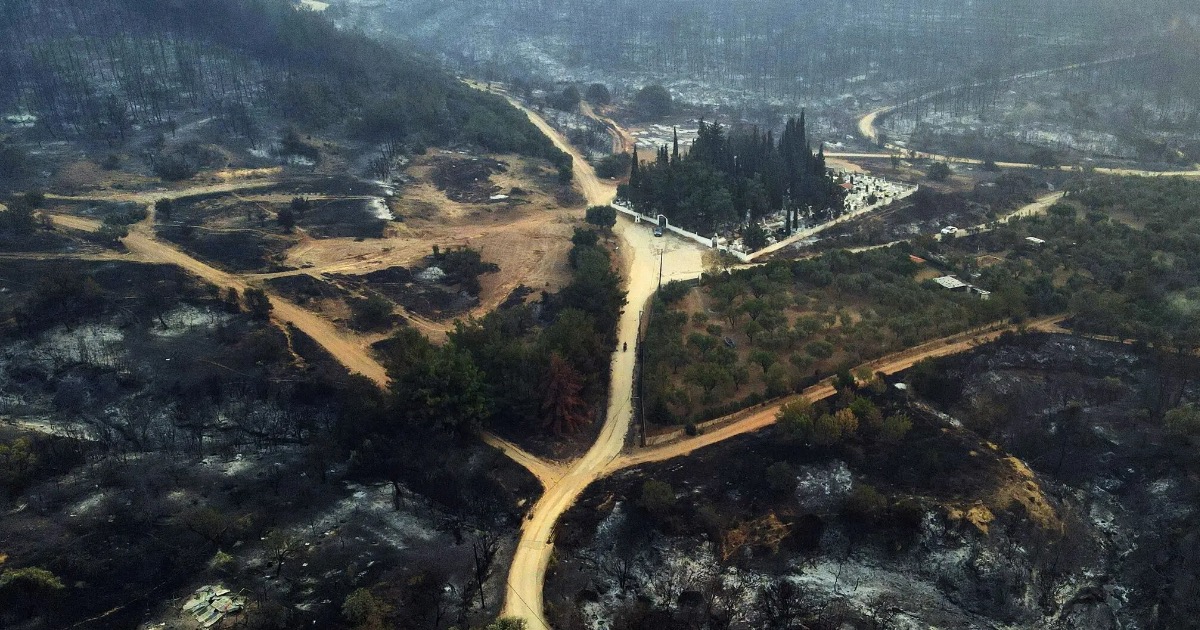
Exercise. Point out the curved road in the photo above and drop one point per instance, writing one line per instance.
(640, 254)
(891, 364)
(867, 128)
(643, 256)
(350, 353)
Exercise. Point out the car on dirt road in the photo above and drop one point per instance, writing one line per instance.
(658, 231)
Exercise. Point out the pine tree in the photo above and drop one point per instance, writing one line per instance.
(635, 179)
(675, 146)
(563, 409)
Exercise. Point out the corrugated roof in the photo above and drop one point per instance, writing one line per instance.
(950, 282)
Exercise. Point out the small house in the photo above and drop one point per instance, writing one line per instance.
(951, 283)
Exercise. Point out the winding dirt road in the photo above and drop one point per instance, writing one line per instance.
(623, 141)
(642, 257)
(868, 130)
(640, 252)
(891, 364)
(349, 352)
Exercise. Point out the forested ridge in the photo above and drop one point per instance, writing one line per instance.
(730, 178)
(96, 69)
(782, 48)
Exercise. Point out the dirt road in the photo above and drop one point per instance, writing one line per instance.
(154, 195)
(546, 472)
(890, 364)
(623, 141)
(349, 352)
(867, 128)
(642, 255)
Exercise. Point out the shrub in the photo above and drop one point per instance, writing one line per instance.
(602, 216)
(895, 428)
(371, 313)
(174, 168)
(1183, 421)
(657, 498)
(865, 502)
(673, 291)
(781, 478)
(613, 166)
(819, 349)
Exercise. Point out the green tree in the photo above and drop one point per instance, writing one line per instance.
(752, 329)
(1043, 158)
(755, 237)
(938, 172)
(795, 420)
(598, 94)
(17, 461)
(586, 238)
(865, 502)
(163, 208)
(778, 379)
(819, 349)
(867, 412)
(829, 429)
(286, 219)
(111, 233)
(371, 313)
(653, 101)
(601, 216)
(710, 377)
(28, 591)
(765, 359)
(446, 392)
(657, 497)
(567, 100)
(595, 289)
(781, 478)
(366, 611)
(895, 428)
(615, 166)
(30, 578)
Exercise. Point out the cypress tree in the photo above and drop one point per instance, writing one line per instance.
(633, 170)
(675, 146)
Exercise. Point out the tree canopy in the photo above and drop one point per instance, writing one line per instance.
(726, 177)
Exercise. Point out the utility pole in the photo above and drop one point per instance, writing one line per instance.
(661, 251)
(641, 365)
